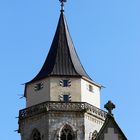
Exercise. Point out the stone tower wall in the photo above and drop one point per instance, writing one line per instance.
(50, 125)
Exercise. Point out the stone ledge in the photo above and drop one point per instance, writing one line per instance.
(61, 106)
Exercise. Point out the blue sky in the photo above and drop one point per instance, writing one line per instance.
(106, 34)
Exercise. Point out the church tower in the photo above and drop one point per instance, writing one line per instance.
(62, 101)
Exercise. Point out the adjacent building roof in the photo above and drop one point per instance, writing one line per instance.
(62, 59)
(110, 130)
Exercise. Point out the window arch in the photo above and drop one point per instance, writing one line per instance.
(67, 133)
(36, 135)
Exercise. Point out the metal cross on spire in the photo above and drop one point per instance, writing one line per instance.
(109, 106)
(62, 5)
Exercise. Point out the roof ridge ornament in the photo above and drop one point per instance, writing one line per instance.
(62, 5)
(109, 106)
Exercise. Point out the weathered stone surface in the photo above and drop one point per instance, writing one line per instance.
(50, 125)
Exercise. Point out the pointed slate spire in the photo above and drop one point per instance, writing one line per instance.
(62, 59)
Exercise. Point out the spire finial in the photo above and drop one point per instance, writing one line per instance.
(109, 106)
(62, 5)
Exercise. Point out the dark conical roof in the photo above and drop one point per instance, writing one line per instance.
(62, 59)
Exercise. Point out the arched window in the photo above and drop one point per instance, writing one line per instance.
(67, 133)
(94, 135)
(36, 135)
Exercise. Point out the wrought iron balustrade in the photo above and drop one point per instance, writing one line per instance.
(61, 106)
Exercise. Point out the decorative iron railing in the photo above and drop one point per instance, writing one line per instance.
(61, 106)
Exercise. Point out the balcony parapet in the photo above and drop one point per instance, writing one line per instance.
(61, 107)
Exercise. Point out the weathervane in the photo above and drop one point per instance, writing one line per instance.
(109, 106)
(62, 4)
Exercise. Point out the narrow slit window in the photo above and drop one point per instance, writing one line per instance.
(66, 98)
(90, 88)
